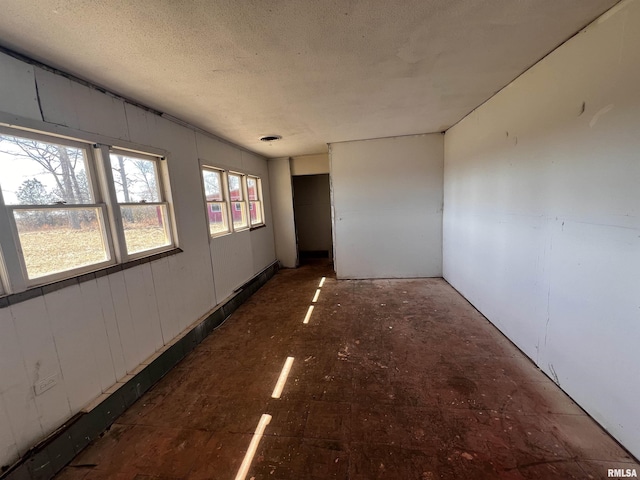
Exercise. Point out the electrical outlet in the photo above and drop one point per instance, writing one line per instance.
(45, 384)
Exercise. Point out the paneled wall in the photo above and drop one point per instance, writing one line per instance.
(239, 256)
(89, 335)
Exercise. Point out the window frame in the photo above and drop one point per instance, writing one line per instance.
(224, 203)
(229, 204)
(122, 252)
(259, 201)
(244, 200)
(72, 272)
(14, 277)
(3, 274)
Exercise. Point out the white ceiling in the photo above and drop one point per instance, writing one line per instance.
(313, 71)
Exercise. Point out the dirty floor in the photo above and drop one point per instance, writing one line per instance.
(390, 379)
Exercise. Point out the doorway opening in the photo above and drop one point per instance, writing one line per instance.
(312, 213)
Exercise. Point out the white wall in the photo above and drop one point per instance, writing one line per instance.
(310, 164)
(387, 200)
(283, 219)
(541, 226)
(92, 334)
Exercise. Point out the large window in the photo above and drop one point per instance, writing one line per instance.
(233, 200)
(56, 219)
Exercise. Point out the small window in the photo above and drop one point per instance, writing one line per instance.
(214, 196)
(143, 211)
(53, 209)
(237, 197)
(254, 192)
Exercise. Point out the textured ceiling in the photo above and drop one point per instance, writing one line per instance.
(314, 72)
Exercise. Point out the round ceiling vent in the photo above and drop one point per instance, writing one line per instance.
(270, 138)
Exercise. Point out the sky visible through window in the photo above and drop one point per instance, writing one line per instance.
(37, 169)
(15, 171)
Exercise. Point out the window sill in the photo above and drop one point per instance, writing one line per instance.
(220, 235)
(34, 292)
(257, 227)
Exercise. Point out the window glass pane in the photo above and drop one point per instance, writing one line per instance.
(135, 179)
(235, 187)
(56, 240)
(256, 213)
(145, 227)
(41, 173)
(252, 188)
(212, 185)
(239, 213)
(217, 218)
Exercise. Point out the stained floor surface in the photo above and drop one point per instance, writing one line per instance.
(391, 379)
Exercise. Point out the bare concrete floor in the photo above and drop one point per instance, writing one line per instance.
(391, 379)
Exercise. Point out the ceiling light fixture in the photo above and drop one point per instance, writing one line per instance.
(270, 138)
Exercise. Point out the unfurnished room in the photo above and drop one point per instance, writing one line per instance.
(287, 239)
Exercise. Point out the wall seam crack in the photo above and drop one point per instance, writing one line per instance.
(35, 82)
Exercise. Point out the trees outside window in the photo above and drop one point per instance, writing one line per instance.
(61, 216)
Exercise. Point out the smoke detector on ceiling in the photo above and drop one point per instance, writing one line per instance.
(270, 138)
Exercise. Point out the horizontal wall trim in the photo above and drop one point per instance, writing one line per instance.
(14, 298)
(44, 460)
